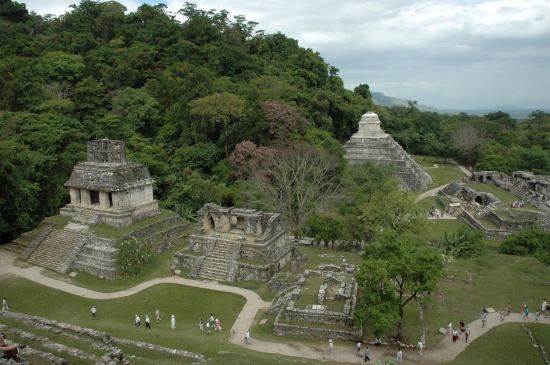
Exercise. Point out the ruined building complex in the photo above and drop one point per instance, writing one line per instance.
(232, 244)
(106, 191)
(370, 143)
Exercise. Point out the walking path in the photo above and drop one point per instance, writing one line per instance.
(445, 351)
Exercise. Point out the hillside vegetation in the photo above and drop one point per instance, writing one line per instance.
(200, 102)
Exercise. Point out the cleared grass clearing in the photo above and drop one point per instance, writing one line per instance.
(505, 344)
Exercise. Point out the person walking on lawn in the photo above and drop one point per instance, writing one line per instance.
(138, 321)
(173, 322)
(147, 324)
(157, 315)
(94, 313)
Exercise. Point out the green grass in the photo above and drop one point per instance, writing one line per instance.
(253, 262)
(437, 230)
(505, 344)
(442, 175)
(541, 333)
(498, 279)
(257, 286)
(116, 316)
(337, 257)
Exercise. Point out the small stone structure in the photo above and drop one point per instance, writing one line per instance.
(223, 236)
(302, 321)
(109, 189)
(370, 143)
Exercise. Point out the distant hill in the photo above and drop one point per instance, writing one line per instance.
(383, 100)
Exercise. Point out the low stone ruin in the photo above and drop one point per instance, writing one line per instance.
(341, 324)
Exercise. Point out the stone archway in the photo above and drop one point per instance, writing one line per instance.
(489, 178)
(480, 178)
(479, 200)
(211, 223)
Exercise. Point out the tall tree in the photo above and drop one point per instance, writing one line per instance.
(296, 181)
(397, 269)
(224, 108)
(468, 139)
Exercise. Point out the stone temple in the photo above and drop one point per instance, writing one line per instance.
(370, 143)
(109, 195)
(109, 189)
(233, 244)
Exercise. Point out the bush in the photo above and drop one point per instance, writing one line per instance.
(532, 242)
(134, 254)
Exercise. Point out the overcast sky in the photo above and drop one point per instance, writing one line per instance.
(454, 54)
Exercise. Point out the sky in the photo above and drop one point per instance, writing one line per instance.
(453, 54)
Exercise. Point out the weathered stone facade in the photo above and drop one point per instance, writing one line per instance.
(109, 189)
(227, 235)
(370, 143)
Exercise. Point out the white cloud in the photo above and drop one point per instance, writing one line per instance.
(462, 54)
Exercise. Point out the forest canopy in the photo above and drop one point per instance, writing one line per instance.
(194, 100)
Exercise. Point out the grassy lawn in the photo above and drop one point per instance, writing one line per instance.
(504, 196)
(438, 227)
(498, 279)
(332, 257)
(505, 344)
(444, 174)
(106, 231)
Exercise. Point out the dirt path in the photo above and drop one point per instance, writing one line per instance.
(443, 352)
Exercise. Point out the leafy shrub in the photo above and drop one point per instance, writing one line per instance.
(134, 254)
(532, 242)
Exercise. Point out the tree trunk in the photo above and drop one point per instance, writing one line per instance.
(400, 325)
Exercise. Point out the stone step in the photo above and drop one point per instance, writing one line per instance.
(53, 250)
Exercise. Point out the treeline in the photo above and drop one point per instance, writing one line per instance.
(195, 101)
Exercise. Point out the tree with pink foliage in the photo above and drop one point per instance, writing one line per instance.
(283, 120)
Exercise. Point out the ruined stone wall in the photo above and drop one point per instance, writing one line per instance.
(344, 334)
(247, 272)
(513, 226)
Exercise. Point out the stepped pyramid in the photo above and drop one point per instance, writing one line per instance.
(370, 143)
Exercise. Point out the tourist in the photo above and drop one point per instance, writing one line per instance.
(211, 320)
(330, 347)
(172, 270)
(399, 356)
(526, 313)
(200, 324)
(484, 311)
(247, 337)
(10, 351)
(462, 328)
(467, 333)
(173, 322)
(449, 329)
(483, 321)
(378, 342)
(420, 346)
(508, 309)
(367, 354)
(455, 335)
(523, 306)
(138, 321)
(94, 313)
(147, 324)
(5, 305)
(359, 349)
(502, 314)
(218, 325)
(537, 315)
(544, 308)
(157, 315)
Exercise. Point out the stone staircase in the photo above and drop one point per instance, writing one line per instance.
(526, 196)
(87, 217)
(54, 249)
(216, 265)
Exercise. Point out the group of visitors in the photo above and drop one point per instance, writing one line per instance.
(462, 332)
(517, 205)
(435, 214)
(377, 342)
(212, 323)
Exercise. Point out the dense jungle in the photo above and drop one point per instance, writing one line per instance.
(205, 103)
